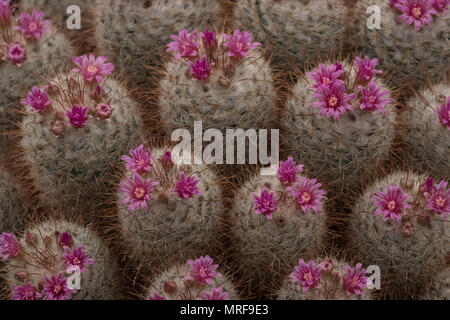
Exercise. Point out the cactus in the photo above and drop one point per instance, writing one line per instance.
(328, 279)
(135, 33)
(12, 209)
(294, 30)
(440, 289)
(272, 225)
(409, 242)
(168, 211)
(412, 54)
(426, 139)
(345, 149)
(75, 135)
(186, 282)
(217, 83)
(17, 74)
(49, 252)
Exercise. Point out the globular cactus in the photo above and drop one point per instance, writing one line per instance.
(77, 128)
(196, 279)
(24, 53)
(135, 33)
(221, 80)
(294, 31)
(325, 279)
(167, 211)
(339, 122)
(426, 136)
(12, 209)
(412, 42)
(273, 220)
(40, 265)
(399, 224)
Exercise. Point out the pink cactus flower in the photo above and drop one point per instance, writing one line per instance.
(185, 44)
(366, 68)
(140, 161)
(441, 6)
(287, 172)
(137, 192)
(103, 111)
(307, 274)
(55, 288)
(155, 296)
(202, 270)
(216, 294)
(186, 187)
(308, 194)
(355, 280)
(65, 240)
(418, 12)
(26, 292)
(391, 203)
(240, 43)
(78, 117)
(266, 203)
(5, 12)
(37, 99)
(92, 68)
(209, 40)
(439, 200)
(77, 258)
(9, 247)
(17, 54)
(200, 68)
(428, 187)
(34, 25)
(444, 113)
(373, 98)
(325, 75)
(333, 100)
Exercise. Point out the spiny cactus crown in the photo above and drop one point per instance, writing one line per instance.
(78, 95)
(15, 35)
(331, 84)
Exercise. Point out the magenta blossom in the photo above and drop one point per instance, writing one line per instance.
(287, 172)
(140, 161)
(32, 26)
(444, 113)
(103, 111)
(66, 240)
(391, 203)
(209, 40)
(26, 292)
(308, 194)
(428, 187)
(185, 44)
(5, 12)
(186, 187)
(200, 68)
(77, 258)
(325, 75)
(373, 98)
(78, 117)
(17, 54)
(355, 280)
(441, 6)
(137, 192)
(93, 68)
(216, 294)
(56, 288)
(9, 247)
(240, 43)
(366, 68)
(266, 203)
(37, 99)
(308, 274)
(333, 100)
(439, 200)
(202, 270)
(155, 296)
(418, 12)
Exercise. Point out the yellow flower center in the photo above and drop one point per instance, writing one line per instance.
(391, 205)
(308, 276)
(440, 202)
(306, 197)
(33, 26)
(416, 12)
(139, 193)
(333, 101)
(92, 69)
